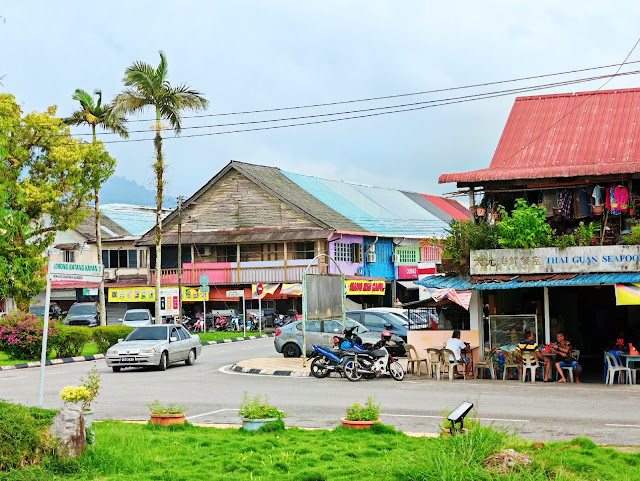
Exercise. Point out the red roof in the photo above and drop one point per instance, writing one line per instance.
(566, 135)
(449, 206)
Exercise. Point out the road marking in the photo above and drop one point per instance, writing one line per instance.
(212, 412)
(624, 425)
(9, 378)
(440, 417)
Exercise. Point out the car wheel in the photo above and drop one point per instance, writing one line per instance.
(163, 362)
(291, 350)
(116, 368)
(191, 358)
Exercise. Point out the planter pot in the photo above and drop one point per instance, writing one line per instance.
(481, 211)
(167, 419)
(88, 426)
(255, 424)
(358, 424)
(596, 209)
(557, 211)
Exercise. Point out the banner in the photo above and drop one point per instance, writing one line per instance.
(266, 289)
(462, 298)
(628, 294)
(146, 294)
(291, 289)
(359, 288)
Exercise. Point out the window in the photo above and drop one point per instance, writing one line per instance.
(69, 256)
(226, 253)
(408, 256)
(250, 253)
(272, 252)
(332, 326)
(342, 252)
(115, 259)
(143, 258)
(304, 250)
(371, 320)
(430, 253)
(313, 326)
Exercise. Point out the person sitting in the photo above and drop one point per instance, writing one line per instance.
(529, 344)
(456, 346)
(562, 350)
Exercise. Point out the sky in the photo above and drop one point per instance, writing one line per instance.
(254, 55)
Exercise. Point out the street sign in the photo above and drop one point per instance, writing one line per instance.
(204, 280)
(259, 289)
(204, 289)
(75, 272)
(239, 293)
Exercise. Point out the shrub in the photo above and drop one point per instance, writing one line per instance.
(525, 228)
(368, 412)
(156, 407)
(258, 407)
(24, 435)
(84, 393)
(107, 336)
(21, 336)
(69, 341)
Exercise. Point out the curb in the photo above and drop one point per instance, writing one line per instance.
(267, 372)
(95, 357)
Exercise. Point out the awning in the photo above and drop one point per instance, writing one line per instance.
(480, 283)
(409, 284)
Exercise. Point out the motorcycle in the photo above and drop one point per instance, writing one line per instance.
(326, 361)
(372, 363)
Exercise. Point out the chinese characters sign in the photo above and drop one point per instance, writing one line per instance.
(551, 260)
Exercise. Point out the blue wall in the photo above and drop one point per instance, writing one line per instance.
(383, 267)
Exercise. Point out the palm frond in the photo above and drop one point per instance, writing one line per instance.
(162, 71)
(76, 118)
(189, 99)
(131, 101)
(115, 122)
(84, 98)
(141, 76)
(169, 112)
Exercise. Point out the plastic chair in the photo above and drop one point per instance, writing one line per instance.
(570, 369)
(413, 360)
(510, 363)
(529, 365)
(487, 363)
(614, 367)
(450, 365)
(434, 362)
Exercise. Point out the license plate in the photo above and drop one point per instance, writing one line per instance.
(127, 359)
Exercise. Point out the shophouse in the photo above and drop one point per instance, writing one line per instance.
(254, 224)
(578, 156)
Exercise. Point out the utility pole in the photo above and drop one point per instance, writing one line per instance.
(180, 258)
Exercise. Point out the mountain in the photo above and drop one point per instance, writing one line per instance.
(120, 190)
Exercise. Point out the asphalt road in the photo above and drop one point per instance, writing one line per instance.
(540, 411)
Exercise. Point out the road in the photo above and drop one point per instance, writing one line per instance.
(545, 412)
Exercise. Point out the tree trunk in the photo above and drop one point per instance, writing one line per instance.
(158, 167)
(103, 308)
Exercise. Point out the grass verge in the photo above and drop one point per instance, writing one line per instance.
(141, 452)
(217, 335)
(89, 349)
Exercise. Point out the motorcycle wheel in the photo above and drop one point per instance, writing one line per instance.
(351, 372)
(319, 369)
(396, 371)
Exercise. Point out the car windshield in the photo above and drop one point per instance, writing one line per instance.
(136, 316)
(156, 333)
(397, 319)
(81, 310)
(351, 323)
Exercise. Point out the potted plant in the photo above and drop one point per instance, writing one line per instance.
(362, 417)
(256, 411)
(165, 415)
(84, 394)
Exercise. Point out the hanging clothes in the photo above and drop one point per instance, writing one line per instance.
(621, 196)
(581, 205)
(564, 202)
(612, 202)
(597, 195)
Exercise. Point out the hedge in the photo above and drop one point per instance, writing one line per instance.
(69, 341)
(107, 336)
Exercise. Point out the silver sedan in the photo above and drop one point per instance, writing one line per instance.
(155, 346)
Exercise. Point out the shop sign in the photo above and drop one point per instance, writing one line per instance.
(75, 272)
(552, 260)
(359, 288)
(146, 294)
(407, 272)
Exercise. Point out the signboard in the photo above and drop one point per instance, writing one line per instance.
(359, 288)
(551, 260)
(238, 293)
(407, 272)
(90, 292)
(146, 294)
(203, 289)
(259, 289)
(204, 280)
(75, 272)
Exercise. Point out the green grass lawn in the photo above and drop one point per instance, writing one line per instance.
(134, 452)
(215, 335)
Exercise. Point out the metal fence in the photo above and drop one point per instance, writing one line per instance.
(445, 318)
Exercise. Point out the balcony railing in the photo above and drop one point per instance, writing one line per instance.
(234, 275)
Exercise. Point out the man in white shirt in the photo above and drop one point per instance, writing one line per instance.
(456, 346)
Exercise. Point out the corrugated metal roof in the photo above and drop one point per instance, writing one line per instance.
(88, 226)
(238, 235)
(566, 135)
(379, 210)
(462, 283)
(450, 207)
(134, 218)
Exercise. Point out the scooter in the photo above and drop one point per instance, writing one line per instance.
(326, 361)
(372, 363)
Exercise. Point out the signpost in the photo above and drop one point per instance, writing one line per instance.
(62, 271)
(259, 290)
(204, 288)
(240, 293)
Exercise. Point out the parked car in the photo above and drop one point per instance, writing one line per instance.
(137, 318)
(381, 321)
(54, 311)
(421, 319)
(288, 340)
(83, 314)
(154, 346)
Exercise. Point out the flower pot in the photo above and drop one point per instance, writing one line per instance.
(596, 209)
(88, 426)
(167, 419)
(495, 216)
(481, 211)
(557, 211)
(255, 424)
(358, 424)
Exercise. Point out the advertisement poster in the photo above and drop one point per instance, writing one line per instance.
(359, 288)
(146, 294)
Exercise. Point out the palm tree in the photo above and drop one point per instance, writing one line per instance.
(149, 87)
(96, 114)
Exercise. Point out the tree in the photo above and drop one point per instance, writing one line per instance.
(95, 114)
(150, 87)
(525, 228)
(45, 183)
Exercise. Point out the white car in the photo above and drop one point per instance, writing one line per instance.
(137, 318)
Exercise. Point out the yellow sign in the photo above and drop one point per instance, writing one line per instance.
(359, 288)
(147, 294)
(628, 294)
